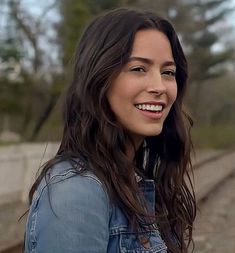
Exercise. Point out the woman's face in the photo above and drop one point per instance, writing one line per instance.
(142, 94)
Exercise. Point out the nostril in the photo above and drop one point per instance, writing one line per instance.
(156, 92)
(157, 89)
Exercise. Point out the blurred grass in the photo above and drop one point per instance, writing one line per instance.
(214, 137)
(7, 143)
(204, 137)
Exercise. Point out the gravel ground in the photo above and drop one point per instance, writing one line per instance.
(215, 224)
(11, 229)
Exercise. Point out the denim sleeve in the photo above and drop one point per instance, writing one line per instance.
(76, 219)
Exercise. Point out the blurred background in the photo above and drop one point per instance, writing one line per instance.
(37, 41)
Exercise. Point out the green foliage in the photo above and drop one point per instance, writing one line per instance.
(74, 17)
(204, 62)
(97, 6)
(214, 137)
(11, 87)
(202, 58)
(9, 51)
(10, 93)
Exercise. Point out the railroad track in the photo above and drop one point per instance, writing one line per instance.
(210, 172)
(214, 228)
(213, 171)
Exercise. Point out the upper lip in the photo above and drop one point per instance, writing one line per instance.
(153, 103)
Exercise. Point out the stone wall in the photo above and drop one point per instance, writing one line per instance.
(18, 167)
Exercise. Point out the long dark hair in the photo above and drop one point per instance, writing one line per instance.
(92, 132)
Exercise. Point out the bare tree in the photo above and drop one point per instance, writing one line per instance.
(41, 98)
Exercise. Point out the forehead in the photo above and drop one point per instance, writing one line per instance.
(151, 43)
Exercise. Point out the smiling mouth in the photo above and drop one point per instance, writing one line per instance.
(150, 107)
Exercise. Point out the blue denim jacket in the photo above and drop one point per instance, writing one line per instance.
(72, 213)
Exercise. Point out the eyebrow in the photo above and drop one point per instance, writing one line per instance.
(150, 62)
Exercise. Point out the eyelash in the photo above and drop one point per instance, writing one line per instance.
(138, 69)
(169, 73)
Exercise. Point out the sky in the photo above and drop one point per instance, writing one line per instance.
(35, 7)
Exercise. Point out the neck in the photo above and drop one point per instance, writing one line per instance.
(132, 147)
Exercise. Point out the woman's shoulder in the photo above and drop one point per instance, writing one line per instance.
(66, 203)
(71, 179)
(78, 167)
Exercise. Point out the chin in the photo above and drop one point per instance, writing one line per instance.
(152, 132)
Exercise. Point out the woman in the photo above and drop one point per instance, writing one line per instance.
(117, 182)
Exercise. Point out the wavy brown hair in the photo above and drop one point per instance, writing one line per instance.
(92, 132)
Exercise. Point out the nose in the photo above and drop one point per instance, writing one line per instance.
(156, 84)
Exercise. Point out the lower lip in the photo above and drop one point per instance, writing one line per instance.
(151, 115)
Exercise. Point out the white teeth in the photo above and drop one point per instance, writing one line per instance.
(148, 107)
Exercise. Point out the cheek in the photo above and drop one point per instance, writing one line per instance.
(172, 93)
(126, 92)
